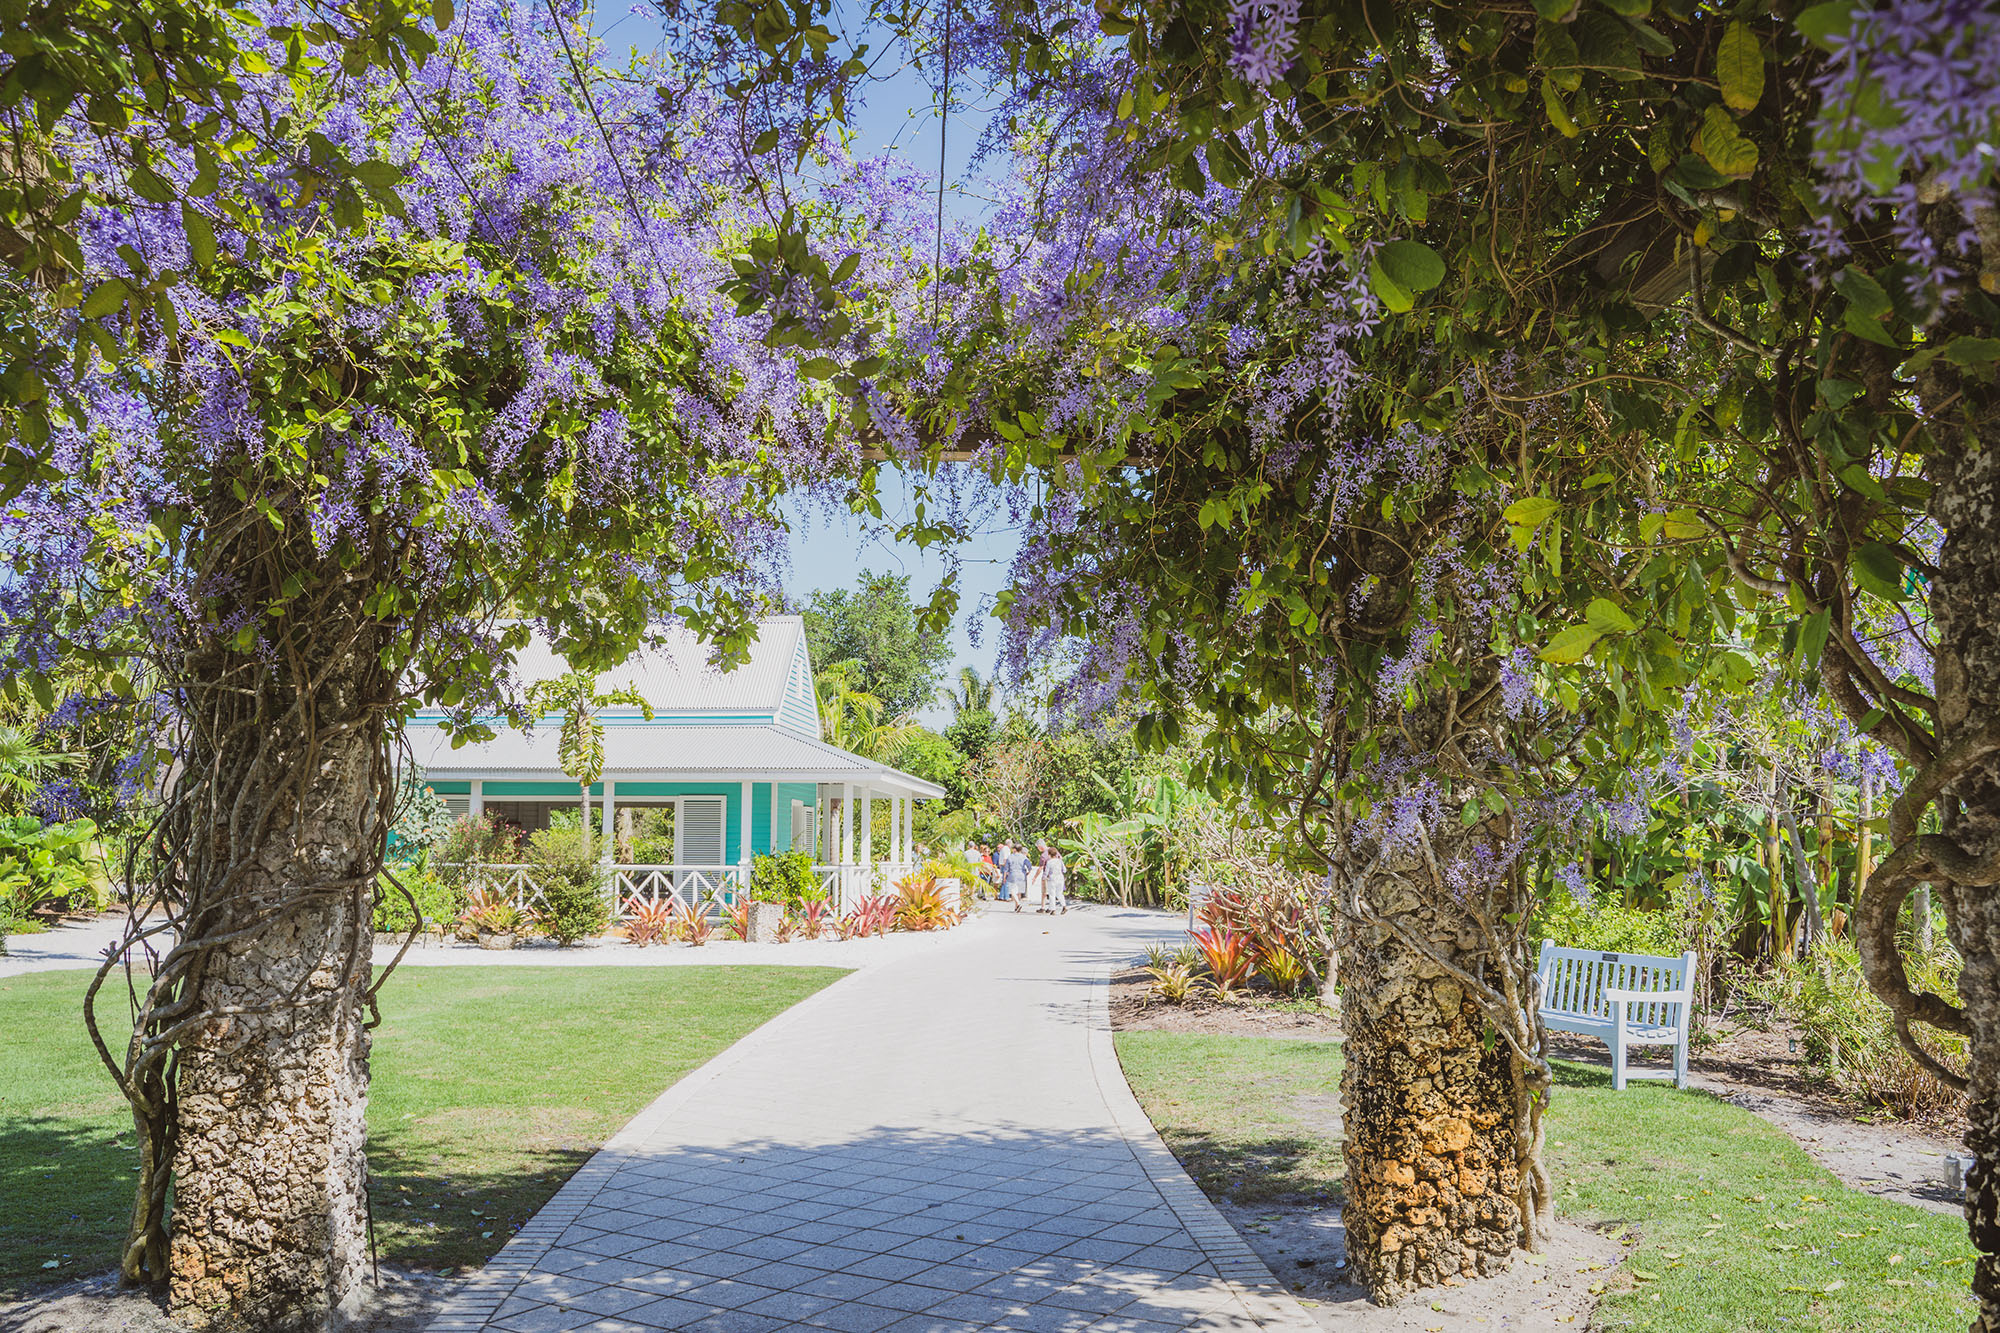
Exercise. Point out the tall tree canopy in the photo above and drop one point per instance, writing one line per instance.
(875, 624)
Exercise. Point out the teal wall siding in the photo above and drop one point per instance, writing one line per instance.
(764, 835)
(546, 790)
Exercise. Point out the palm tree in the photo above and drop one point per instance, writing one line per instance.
(974, 693)
(25, 765)
(580, 744)
(851, 717)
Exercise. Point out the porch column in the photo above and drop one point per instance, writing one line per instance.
(909, 829)
(846, 823)
(743, 831)
(867, 826)
(896, 830)
(476, 806)
(774, 821)
(610, 828)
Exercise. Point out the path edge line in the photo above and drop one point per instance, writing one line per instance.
(1252, 1280)
(471, 1308)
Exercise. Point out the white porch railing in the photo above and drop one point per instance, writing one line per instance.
(713, 889)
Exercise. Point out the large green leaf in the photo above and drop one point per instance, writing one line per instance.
(1739, 67)
(1571, 644)
(1607, 617)
(1724, 146)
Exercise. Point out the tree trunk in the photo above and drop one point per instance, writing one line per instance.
(269, 1228)
(1433, 1105)
(1812, 928)
(1965, 610)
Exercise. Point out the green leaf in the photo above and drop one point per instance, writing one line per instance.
(1966, 350)
(1555, 10)
(1607, 617)
(1812, 638)
(442, 14)
(1396, 297)
(1558, 113)
(1820, 24)
(200, 236)
(1739, 67)
(819, 367)
(1863, 293)
(1723, 145)
(1878, 569)
(1570, 645)
(1531, 511)
(105, 298)
(1411, 265)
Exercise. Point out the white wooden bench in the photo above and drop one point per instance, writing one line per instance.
(1623, 1000)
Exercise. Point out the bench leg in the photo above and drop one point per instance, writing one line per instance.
(1618, 1058)
(1681, 1060)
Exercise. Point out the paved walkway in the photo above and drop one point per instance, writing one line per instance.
(940, 1144)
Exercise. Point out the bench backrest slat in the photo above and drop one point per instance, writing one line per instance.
(1574, 982)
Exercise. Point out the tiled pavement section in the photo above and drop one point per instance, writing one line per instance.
(934, 1146)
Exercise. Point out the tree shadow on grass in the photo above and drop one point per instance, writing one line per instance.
(435, 1210)
(65, 1199)
(1256, 1170)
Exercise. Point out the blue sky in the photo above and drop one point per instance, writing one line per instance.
(899, 114)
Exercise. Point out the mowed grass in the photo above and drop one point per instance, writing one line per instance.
(490, 1088)
(1250, 1118)
(1734, 1228)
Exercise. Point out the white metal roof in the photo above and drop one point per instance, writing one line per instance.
(678, 677)
(666, 752)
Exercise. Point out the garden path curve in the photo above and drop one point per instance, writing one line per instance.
(937, 1144)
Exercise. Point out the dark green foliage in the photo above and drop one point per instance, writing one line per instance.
(876, 625)
(438, 902)
(575, 903)
(785, 877)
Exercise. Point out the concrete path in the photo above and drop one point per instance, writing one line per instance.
(940, 1144)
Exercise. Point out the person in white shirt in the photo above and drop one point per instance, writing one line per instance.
(1055, 876)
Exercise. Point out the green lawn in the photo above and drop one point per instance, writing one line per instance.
(1737, 1229)
(490, 1089)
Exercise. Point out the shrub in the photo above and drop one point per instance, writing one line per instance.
(575, 905)
(1275, 919)
(49, 864)
(785, 877)
(1607, 925)
(437, 902)
(738, 921)
(1849, 1032)
(1282, 970)
(813, 918)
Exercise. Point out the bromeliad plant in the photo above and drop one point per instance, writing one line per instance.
(1228, 956)
(650, 921)
(919, 904)
(490, 912)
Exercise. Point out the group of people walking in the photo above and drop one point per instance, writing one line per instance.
(1019, 878)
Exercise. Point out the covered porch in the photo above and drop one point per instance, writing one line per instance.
(727, 793)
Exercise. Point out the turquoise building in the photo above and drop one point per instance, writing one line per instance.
(735, 755)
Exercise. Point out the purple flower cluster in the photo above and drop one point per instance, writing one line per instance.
(1263, 34)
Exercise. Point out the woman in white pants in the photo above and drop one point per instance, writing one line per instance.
(1055, 875)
